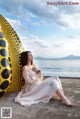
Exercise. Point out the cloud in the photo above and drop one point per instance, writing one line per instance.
(59, 48)
(33, 12)
(65, 43)
(41, 43)
(71, 21)
(70, 37)
(25, 15)
(58, 45)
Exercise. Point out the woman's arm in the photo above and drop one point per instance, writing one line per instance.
(26, 77)
(40, 76)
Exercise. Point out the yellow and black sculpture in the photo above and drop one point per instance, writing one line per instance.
(10, 66)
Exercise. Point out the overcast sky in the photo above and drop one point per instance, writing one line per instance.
(45, 30)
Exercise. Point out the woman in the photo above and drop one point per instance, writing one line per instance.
(36, 89)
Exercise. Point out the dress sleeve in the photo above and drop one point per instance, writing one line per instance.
(27, 78)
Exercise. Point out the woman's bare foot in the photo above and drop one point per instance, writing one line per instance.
(67, 103)
(63, 98)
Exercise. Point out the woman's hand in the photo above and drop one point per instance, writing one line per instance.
(38, 72)
(40, 76)
(36, 80)
(35, 69)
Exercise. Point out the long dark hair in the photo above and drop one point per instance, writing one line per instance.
(24, 58)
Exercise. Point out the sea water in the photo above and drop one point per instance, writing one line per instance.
(63, 68)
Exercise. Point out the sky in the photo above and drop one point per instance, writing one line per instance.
(46, 30)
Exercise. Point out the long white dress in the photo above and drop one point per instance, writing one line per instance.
(39, 91)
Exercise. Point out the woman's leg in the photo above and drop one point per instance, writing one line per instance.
(56, 96)
(63, 98)
(60, 84)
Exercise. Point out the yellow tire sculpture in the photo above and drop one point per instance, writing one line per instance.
(5, 75)
(10, 66)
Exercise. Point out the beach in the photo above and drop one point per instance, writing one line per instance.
(51, 110)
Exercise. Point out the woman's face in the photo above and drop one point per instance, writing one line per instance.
(30, 56)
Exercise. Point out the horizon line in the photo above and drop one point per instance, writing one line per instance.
(57, 57)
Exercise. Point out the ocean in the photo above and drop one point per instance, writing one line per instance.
(62, 68)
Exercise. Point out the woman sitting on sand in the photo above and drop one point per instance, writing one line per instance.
(36, 89)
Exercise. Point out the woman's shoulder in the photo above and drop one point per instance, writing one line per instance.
(25, 68)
